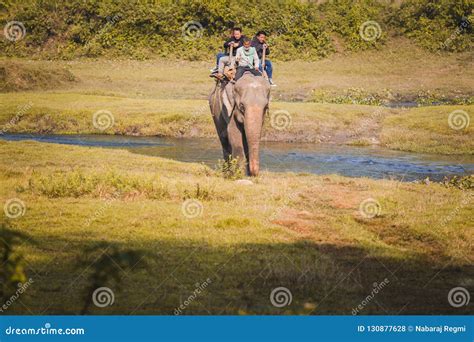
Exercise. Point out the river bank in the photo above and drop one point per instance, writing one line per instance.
(424, 129)
(373, 162)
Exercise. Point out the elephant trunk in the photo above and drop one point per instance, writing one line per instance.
(253, 128)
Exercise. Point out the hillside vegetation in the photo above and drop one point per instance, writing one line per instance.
(194, 29)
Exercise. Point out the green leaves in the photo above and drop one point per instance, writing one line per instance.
(298, 29)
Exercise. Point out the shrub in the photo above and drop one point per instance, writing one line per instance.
(350, 96)
(158, 28)
(230, 169)
(463, 183)
(78, 183)
(348, 17)
(437, 25)
(200, 193)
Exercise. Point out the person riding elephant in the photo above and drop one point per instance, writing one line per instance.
(235, 41)
(259, 42)
(248, 60)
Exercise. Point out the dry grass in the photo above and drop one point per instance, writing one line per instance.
(19, 76)
(401, 67)
(428, 130)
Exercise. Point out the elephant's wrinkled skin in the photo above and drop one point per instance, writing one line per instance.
(238, 112)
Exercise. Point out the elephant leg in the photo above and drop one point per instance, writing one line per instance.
(226, 149)
(219, 121)
(235, 133)
(221, 128)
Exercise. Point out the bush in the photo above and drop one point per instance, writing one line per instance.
(78, 183)
(360, 23)
(195, 29)
(230, 168)
(463, 183)
(437, 25)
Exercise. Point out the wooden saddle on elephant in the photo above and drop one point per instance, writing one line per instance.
(229, 72)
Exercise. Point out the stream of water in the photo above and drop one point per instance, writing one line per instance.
(373, 162)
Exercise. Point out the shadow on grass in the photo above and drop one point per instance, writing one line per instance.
(322, 279)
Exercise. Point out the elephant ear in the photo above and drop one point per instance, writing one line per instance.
(228, 101)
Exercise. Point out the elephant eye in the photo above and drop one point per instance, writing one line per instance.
(242, 107)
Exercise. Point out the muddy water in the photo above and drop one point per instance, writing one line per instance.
(373, 162)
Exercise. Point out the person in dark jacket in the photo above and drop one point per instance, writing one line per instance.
(236, 41)
(259, 42)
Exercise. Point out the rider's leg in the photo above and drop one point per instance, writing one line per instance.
(269, 68)
(254, 72)
(239, 72)
(218, 57)
(222, 62)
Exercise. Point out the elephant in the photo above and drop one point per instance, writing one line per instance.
(238, 112)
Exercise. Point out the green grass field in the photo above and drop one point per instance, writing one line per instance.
(307, 233)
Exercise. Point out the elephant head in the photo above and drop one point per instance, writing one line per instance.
(251, 98)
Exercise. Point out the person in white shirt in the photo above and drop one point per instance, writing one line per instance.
(248, 60)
